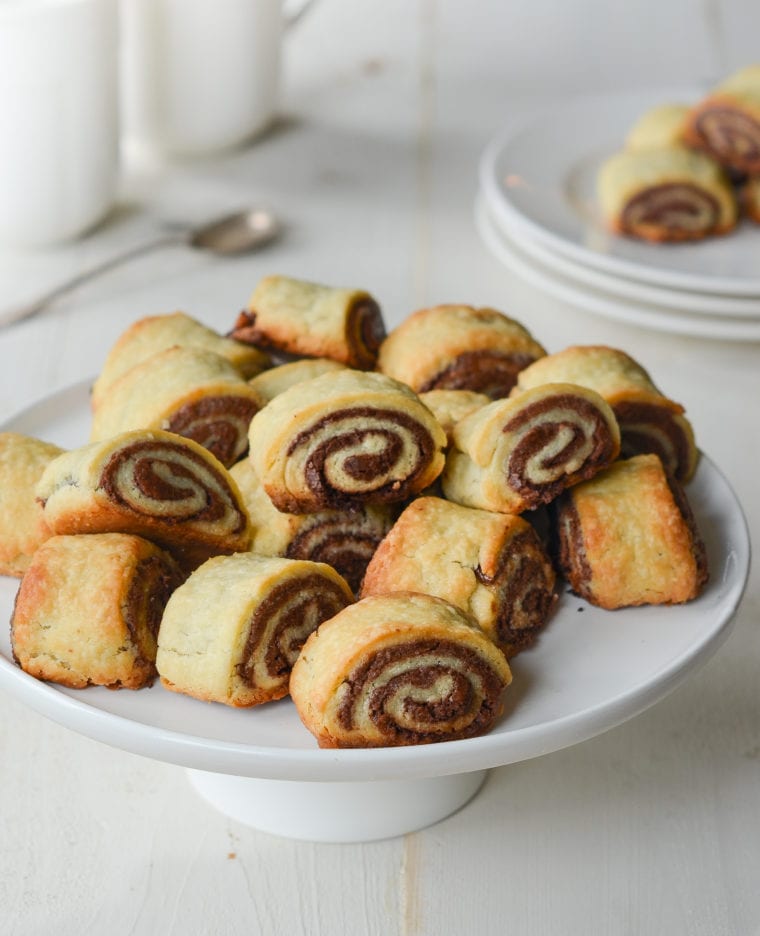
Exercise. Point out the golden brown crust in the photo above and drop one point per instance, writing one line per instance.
(154, 484)
(396, 670)
(22, 526)
(627, 537)
(147, 336)
(312, 320)
(664, 194)
(490, 565)
(232, 632)
(88, 609)
(195, 393)
(649, 421)
(278, 379)
(458, 347)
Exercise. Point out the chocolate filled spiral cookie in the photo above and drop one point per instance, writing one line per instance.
(627, 537)
(88, 610)
(311, 320)
(490, 565)
(660, 126)
(193, 393)
(648, 420)
(344, 539)
(345, 439)
(516, 454)
(22, 526)
(147, 336)
(458, 347)
(276, 380)
(451, 406)
(726, 124)
(397, 670)
(666, 194)
(153, 484)
(232, 632)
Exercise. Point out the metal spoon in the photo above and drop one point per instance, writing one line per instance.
(233, 234)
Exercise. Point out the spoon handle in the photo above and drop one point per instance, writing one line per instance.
(15, 314)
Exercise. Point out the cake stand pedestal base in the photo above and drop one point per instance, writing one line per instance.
(316, 811)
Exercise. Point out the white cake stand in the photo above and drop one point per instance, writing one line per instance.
(590, 670)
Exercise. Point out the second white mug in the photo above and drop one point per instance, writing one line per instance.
(198, 76)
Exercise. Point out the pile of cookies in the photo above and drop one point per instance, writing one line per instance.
(688, 172)
(372, 523)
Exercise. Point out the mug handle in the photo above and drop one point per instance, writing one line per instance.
(293, 12)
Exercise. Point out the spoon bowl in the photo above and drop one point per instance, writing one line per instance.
(237, 233)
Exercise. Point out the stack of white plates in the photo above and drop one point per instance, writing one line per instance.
(537, 212)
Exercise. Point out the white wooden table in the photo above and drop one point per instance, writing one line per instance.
(652, 828)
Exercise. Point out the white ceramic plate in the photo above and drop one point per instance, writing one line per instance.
(541, 178)
(510, 251)
(680, 301)
(590, 670)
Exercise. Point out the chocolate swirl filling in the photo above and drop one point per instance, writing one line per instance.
(493, 373)
(346, 541)
(282, 622)
(557, 438)
(422, 691)
(678, 210)
(172, 483)
(219, 424)
(732, 136)
(152, 583)
(571, 547)
(365, 331)
(699, 550)
(524, 583)
(647, 428)
(363, 452)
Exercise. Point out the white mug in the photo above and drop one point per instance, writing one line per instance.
(198, 76)
(59, 142)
